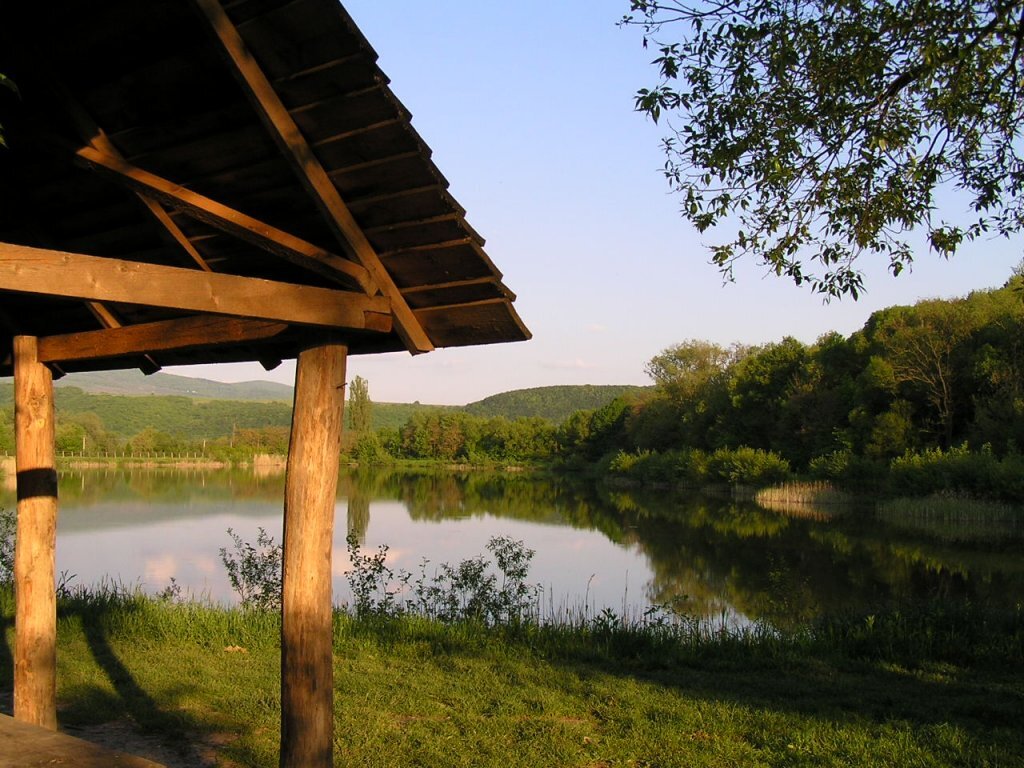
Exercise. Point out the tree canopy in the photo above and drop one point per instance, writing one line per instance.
(823, 131)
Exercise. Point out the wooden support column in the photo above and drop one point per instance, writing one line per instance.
(35, 623)
(307, 678)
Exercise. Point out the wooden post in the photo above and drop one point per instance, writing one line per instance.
(35, 632)
(307, 676)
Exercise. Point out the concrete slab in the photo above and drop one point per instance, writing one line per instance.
(28, 746)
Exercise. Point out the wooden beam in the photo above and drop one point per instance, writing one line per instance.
(162, 336)
(108, 320)
(229, 220)
(55, 273)
(35, 623)
(174, 231)
(310, 171)
(311, 480)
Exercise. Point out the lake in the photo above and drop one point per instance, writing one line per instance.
(596, 547)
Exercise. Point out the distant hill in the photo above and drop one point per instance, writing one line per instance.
(135, 383)
(553, 403)
(127, 402)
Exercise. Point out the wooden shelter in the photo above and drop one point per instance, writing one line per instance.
(201, 181)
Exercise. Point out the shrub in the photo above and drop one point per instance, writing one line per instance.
(691, 466)
(473, 590)
(848, 470)
(255, 571)
(958, 470)
(747, 466)
(371, 580)
(627, 463)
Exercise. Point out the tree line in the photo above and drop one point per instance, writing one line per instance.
(922, 398)
(933, 390)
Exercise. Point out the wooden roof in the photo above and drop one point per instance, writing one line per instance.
(196, 181)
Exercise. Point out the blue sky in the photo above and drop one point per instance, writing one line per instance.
(528, 107)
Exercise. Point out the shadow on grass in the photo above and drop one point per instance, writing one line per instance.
(838, 687)
(159, 717)
(833, 684)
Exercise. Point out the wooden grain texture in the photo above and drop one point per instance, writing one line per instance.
(35, 623)
(307, 714)
(310, 170)
(185, 333)
(55, 273)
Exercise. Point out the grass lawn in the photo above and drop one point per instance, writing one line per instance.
(887, 691)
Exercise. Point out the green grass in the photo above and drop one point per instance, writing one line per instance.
(937, 687)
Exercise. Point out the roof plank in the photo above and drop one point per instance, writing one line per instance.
(310, 171)
(56, 273)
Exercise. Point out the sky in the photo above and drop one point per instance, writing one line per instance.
(528, 107)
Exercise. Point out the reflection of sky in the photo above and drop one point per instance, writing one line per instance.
(572, 565)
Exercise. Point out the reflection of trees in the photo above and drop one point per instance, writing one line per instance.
(789, 570)
(166, 485)
(358, 516)
(716, 553)
(721, 553)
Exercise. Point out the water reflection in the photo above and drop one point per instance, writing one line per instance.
(711, 557)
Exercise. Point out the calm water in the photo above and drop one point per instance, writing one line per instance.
(594, 546)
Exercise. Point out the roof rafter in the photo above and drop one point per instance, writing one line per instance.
(261, 92)
(464, 305)
(55, 273)
(229, 220)
(412, 223)
(506, 293)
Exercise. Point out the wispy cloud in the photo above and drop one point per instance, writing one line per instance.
(159, 570)
(596, 328)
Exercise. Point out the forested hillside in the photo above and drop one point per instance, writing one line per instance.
(187, 418)
(552, 403)
(134, 382)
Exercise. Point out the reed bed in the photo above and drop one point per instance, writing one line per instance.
(803, 499)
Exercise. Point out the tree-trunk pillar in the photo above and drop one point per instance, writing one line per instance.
(307, 680)
(35, 623)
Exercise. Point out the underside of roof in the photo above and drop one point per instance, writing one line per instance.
(193, 181)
